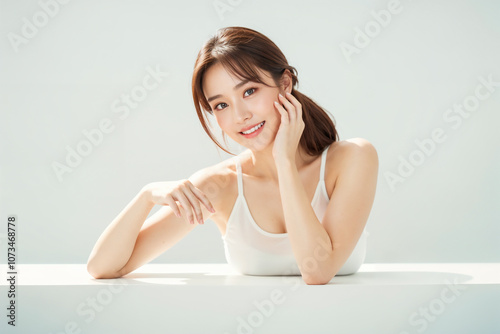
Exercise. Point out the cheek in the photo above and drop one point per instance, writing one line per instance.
(222, 123)
(219, 121)
(225, 124)
(266, 105)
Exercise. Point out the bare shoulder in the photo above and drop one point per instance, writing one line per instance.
(217, 182)
(344, 150)
(344, 155)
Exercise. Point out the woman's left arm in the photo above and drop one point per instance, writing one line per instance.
(322, 248)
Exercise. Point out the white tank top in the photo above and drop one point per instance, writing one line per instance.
(252, 251)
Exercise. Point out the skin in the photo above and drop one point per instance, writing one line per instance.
(278, 178)
(275, 155)
(250, 104)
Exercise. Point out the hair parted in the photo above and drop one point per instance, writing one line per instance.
(242, 51)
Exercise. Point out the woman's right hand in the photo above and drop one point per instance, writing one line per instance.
(184, 192)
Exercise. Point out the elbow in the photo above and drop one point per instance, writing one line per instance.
(100, 274)
(319, 277)
(310, 281)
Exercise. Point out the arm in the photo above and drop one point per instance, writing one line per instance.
(322, 248)
(130, 241)
(115, 245)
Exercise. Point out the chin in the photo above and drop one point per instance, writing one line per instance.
(263, 145)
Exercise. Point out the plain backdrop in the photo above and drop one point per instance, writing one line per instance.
(396, 81)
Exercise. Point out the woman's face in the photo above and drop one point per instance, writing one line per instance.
(238, 105)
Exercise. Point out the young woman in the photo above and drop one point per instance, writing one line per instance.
(295, 202)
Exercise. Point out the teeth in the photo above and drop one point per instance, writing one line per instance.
(253, 129)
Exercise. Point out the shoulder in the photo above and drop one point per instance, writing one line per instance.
(345, 151)
(217, 181)
(351, 156)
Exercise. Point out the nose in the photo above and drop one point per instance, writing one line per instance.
(241, 112)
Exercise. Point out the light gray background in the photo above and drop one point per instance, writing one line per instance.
(393, 92)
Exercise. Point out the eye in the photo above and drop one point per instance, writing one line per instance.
(250, 89)
(217, 106)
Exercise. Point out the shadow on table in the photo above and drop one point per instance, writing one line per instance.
(359, 278)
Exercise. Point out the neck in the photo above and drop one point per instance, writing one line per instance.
(261, 164)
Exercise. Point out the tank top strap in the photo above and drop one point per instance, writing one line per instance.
(323, 163)
(240, 177)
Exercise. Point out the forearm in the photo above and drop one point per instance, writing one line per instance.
(310, 242)
(116, 244)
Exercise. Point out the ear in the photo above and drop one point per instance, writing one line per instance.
(286, 81)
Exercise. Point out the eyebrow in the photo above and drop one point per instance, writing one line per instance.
(234, 88)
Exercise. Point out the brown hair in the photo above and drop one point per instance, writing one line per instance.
(241, 50)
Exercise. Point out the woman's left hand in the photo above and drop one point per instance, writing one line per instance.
(290, 130)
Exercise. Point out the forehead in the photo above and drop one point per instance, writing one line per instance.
(217, 79)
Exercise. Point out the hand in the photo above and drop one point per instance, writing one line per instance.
(290, 130)
(169, 193)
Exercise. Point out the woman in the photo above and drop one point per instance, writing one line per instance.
(295, 202)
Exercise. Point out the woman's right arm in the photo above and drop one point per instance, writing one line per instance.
(129, 241)
(114, 247)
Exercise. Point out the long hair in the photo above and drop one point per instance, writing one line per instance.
(241, 51)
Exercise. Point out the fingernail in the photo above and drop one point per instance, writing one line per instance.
(280, 94)
(201, 221)
(212, 210)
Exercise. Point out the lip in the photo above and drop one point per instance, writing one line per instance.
(249, 127)
(256, 132)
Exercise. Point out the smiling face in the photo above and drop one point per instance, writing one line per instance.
(239, 105)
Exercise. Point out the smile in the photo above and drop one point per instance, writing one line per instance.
(253, 131)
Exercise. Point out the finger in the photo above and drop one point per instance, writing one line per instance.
(186, 205)
(202, 197)
(295, 103)
(289, 107)
(185, 212)
(284, 115)
(173, 205)
(194, 203)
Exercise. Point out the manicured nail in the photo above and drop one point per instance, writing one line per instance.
(280, 94)
(201, 221)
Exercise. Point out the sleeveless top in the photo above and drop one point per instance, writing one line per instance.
(250, 250)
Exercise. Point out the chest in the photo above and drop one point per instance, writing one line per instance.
(264, 201)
